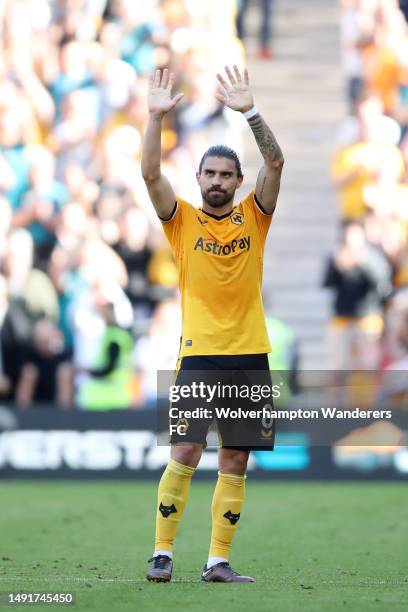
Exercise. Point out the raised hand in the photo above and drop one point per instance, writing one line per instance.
(235, 94)
(159, 98)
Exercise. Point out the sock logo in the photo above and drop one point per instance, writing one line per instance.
(167, 510)
(233, 518)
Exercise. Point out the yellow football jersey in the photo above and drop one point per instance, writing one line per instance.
(219, 262)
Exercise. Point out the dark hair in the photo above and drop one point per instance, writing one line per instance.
(222, 151)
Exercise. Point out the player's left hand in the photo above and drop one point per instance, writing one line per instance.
(235, 94)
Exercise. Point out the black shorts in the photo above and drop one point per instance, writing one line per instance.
(232, 391)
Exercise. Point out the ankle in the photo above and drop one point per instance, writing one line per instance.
(214, 560)
(164, 553)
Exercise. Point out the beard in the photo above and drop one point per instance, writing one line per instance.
(216, 199)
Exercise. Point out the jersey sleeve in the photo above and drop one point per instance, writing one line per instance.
(261, 219)
(173, 226)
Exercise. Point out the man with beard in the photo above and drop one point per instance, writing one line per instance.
(218, 250)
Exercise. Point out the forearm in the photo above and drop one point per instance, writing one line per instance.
(151, 152)
(266, 141)
(160, 191)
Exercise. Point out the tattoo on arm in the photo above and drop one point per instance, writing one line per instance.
(262, 187)
(265, 139)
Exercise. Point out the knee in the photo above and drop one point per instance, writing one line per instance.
(233, 461)
(187, 454)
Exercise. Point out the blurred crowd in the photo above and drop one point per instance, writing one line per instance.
(88, 287)
(89, 306)
(368, 270)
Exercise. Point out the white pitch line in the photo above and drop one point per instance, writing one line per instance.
(5, 578)
(360, 582)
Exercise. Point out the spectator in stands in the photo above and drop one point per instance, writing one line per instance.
(156, 351)
(394, 349)
(46, 374)
(108, 383)
(382, 70)
(404, 8)
(370, 158)
(40, 205)
(356, 26)
(33, 347)
(5, 382)
(134, 249)
(15, 123)
(360, 279)
(72, 73)
(265, 29)
(284, 357)
(393, 391)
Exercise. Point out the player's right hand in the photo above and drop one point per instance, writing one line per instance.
(159, 100)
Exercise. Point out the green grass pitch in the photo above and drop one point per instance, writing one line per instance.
(310, 547)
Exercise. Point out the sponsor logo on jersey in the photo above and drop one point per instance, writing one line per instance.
(207, 245)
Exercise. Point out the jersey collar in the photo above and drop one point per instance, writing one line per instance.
(216, 217)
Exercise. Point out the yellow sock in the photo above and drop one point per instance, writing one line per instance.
(226, 508)
(171, 500)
